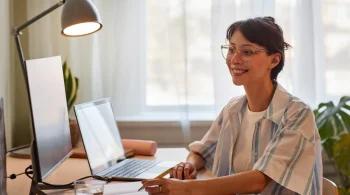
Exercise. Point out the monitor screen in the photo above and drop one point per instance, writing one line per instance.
(100, 134)
(2, 150)
(51, 133)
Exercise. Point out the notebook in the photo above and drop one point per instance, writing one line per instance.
(104, 148)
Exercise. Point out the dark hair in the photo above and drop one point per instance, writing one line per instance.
(265, 32)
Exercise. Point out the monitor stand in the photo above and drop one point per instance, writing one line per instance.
(37, 188)
(34, 189)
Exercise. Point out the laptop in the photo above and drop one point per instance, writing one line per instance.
(104, 148)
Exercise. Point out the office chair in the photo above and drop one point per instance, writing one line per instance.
(329, 187)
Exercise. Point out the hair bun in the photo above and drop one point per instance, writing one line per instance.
(269, 19)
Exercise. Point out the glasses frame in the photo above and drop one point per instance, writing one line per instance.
(238, 52)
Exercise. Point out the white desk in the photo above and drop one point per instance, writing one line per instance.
(75, 168)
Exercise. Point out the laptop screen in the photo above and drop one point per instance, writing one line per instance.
(100, 134)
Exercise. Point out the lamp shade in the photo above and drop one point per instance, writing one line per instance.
(80, 17)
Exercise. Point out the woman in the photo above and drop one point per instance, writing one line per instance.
(265, 142)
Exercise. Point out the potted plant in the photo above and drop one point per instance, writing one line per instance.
(71, 85)
(333, 124)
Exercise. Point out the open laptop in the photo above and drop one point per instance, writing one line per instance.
(104, 147)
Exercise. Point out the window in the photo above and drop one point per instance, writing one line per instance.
(178, 53)
(336, 27)
(166, 61)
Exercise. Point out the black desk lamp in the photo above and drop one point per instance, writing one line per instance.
(79, 18)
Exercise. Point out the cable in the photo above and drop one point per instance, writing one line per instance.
(68, 184)
(14, 176)
(27, 172)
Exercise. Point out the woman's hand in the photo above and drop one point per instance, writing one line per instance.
(164, 186)
(184, 171)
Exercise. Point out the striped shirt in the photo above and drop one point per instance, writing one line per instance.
(285, 144)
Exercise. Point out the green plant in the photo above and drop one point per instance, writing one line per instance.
(71, 85)
(333, 124)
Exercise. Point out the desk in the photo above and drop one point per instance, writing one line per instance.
(75, 168)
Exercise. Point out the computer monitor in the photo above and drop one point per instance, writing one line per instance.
(51, 143)
(2, 150)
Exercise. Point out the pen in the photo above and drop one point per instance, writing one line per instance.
(160, 176)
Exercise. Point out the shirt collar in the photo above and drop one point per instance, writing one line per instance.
(275, 110)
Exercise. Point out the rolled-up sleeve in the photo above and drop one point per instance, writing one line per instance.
(289, 158)
(207, 146)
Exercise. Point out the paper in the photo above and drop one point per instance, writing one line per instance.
(128, 188)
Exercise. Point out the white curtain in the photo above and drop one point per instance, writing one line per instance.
(160, 59)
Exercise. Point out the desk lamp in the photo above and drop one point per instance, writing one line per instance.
(79, 18)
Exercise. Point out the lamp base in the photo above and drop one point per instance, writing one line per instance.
(23, 152)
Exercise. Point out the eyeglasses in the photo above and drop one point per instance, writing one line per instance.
(245, 53)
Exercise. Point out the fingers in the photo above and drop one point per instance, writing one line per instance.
(154, 190)
(177, 171)
(180, 172)
(183, 171)
(187, 170)
(153, 182)
(155, 186)
(193, 175)
(173, 172)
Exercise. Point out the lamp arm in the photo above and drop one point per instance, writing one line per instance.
(17, 32)
(42, 14)
(21, 58)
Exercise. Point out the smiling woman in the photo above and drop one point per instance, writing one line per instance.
(264, 142)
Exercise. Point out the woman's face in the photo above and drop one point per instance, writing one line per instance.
(247, 64)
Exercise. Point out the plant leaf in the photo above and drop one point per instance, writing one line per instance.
(332, 119)
(73, 89)
(326, 130)
(341, 153)
(328, 145)
(343, 100)
(338, 124)
(70, 84)
(346, 119)
(347, 107)
(74, 98)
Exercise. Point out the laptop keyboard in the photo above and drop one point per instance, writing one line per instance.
(132, 168)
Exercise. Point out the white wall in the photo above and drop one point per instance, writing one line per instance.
(12, 86)
(19, 105)
(5, 63)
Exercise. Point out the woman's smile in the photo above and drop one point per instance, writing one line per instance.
(235, 71)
